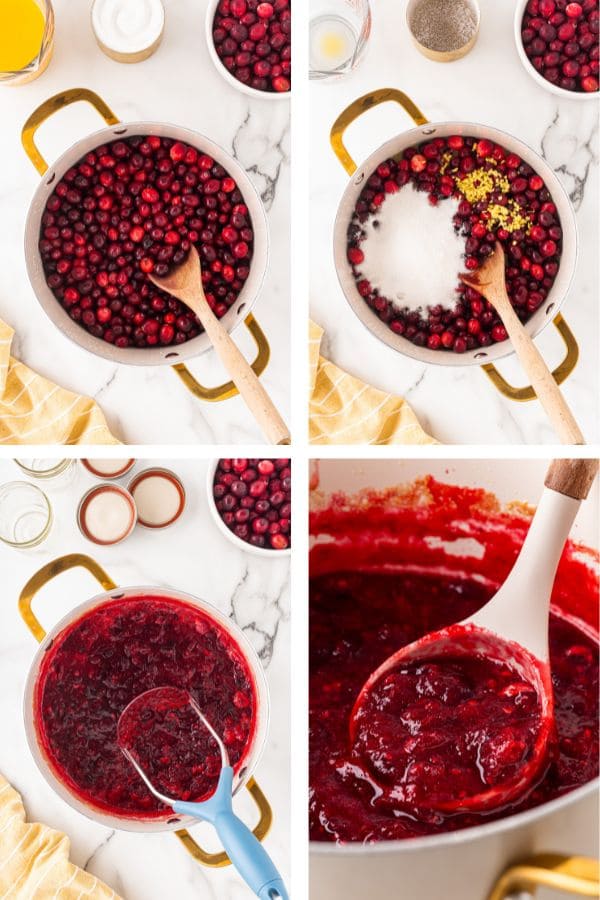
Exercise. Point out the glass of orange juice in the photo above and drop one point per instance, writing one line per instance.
(26, 39)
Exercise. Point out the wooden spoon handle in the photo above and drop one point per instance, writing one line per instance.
(572, 477)
(242, 374)
(540, 376)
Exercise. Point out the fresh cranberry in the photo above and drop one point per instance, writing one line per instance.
(109, 656)
(561, 40)
(438, 168)
(260, 489)
(133, 207)
(253, 41)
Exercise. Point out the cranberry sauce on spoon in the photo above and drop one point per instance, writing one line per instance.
(451, 548)
(108, 656)
(475, 712)
(162, 731)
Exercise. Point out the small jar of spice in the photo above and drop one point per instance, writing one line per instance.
(443, 30)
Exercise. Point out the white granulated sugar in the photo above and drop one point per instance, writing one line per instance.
(413, 256)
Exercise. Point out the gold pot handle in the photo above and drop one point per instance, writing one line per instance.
(228, 389)
(217, 860)
(562, 371)
(575, 875)
(48, 108)
(46, 574)
(360, 106)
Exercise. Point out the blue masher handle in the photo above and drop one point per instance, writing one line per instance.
(244, 850)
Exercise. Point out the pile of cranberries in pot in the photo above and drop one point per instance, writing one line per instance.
(560, 39)
(253, 41)
(253, 498)
(132, 208)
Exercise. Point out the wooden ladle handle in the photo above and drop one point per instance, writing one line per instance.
(243, 376)
(572, 477)
(541, 378)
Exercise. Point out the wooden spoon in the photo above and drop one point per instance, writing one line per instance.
(185, 283)
(511, 627)
(489, 280)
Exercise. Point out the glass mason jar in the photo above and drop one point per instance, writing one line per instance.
(44, 469)
(26, 39)
(25, 515)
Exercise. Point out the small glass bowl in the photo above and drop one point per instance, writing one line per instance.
(40, 62)
(25, 515)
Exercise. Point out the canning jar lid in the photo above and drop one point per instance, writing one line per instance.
(106, 514)
(159, 497)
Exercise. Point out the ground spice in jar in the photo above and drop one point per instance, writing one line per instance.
(443, 25)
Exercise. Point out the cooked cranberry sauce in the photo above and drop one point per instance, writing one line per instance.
(109, 656)
(253, 41)
(165, 735)
(389, 568)
(134, 207)
(500, 198)
(253, 497)
(561, 40)
(433, 732)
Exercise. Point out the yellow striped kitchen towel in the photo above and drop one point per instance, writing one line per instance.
(33, 410)
(34, 859)
(345, 410)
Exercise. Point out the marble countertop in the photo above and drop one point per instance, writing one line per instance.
(178, 84)
(191, 556)
(489, 85)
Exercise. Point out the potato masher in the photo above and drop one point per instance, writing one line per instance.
(245, 852)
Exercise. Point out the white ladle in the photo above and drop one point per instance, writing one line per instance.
(513, 626)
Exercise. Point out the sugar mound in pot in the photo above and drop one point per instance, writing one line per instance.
(412, 254)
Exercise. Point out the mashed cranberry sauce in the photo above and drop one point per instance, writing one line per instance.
(430, 733)
(500, 198)
(163, 732)
(393, 572)
(109, 656)
(134, 207)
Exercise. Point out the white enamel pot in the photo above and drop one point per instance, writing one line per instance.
(424, 130)
(175, 355)
(111, 593)
(466, 864)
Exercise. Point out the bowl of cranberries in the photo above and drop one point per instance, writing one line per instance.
(250, 44)
(250, 501)
(485, 186)
(129, 201)
(557, 41)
